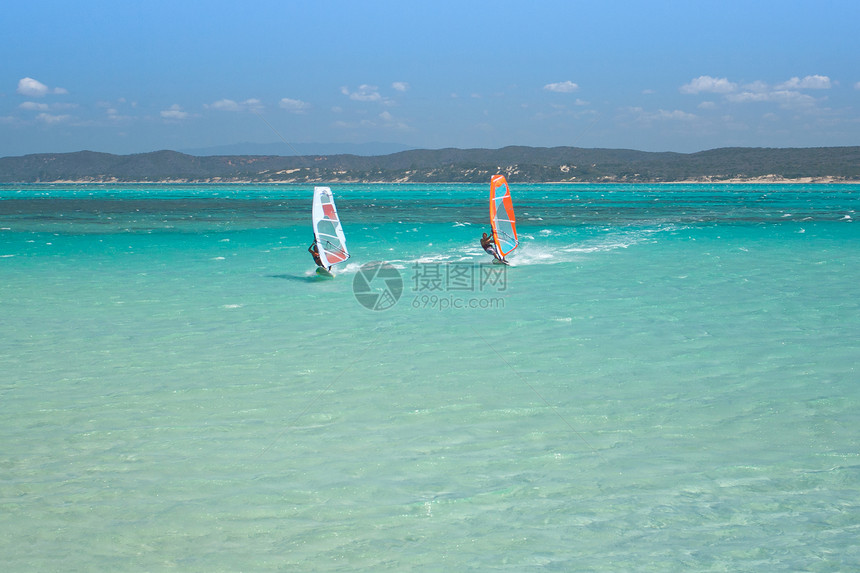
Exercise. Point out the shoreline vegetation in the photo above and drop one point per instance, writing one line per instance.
(521, 164)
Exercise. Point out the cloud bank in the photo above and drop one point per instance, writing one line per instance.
(787, 94)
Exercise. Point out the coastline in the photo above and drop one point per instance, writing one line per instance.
(523, 165)
(763, 180)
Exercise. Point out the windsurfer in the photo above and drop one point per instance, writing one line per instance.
(315, 253)
(487, 244)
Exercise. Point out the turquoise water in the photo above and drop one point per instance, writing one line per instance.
(665, 379)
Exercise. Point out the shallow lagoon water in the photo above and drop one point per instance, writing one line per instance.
(665, 379)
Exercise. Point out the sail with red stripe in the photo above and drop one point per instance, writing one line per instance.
(328, 232)
(502, 217)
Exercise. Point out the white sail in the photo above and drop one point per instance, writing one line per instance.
(328, 232)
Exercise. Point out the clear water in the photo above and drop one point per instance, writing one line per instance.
(665, 379)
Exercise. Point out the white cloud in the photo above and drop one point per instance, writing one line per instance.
(660, 115)
(51, 119)
(294, 105)
(174, 112)
(390, 121)
(807, 83)
(857, 86)
(788, 99)
(709, 84)
(33, 106)
(31, 87)
(675, 115)
(400, 86)
(354, 124)
(113, 109)
(365, 92)
(786, 95)
(382, 120)
(36, 106)
(749, 97)
(230, 105)
(114, 114)
(792, 99)
(565, 87)
(224, 105)
(35, 88)
(757, 86)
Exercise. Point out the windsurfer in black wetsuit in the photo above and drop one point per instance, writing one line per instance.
(490, 247)
(315, 253)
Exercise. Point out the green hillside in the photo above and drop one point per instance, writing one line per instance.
(521, 164)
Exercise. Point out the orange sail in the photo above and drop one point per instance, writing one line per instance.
(502, 217)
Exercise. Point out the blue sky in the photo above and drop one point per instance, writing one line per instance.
(660, 75)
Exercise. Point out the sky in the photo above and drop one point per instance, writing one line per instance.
(659, 75)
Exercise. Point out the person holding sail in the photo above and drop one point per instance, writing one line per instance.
(315, 253)
(490, 247)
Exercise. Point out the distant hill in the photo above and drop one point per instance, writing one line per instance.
(520, 164)
(281, 148)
